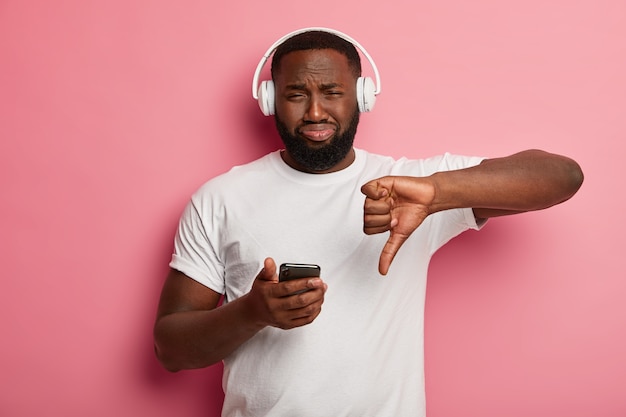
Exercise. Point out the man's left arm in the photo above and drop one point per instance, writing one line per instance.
(526, 181)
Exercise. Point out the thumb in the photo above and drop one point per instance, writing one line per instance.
(392, 246)
(268, 273)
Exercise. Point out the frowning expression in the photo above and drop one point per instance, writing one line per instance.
(316, 109)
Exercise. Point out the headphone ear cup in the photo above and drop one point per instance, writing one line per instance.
(365, 95)
(266, 97)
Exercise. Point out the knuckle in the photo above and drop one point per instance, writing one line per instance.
(309, 310)
(291, 287)
(302, 299)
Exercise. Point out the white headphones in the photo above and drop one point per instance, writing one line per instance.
(366, 91)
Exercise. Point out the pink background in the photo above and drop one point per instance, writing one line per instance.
(113, 112)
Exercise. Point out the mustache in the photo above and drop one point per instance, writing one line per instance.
(321, 123)
(317, 126)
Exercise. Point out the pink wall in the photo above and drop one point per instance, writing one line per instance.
(113, 112)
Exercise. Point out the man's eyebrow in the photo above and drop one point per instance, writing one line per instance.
(296, 86)
(329, 86)
(324, 86)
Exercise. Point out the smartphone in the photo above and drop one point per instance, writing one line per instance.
(293, 271)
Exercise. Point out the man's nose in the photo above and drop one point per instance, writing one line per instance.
(316, 110)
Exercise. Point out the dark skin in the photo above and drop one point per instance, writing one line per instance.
(315, 100)
(315, 97)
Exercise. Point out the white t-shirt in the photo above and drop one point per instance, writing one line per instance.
(363, 355)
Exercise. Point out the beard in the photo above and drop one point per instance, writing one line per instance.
(319, 158)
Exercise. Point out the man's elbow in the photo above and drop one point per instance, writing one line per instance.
(165, 348)
(574, 177)
(166, 360)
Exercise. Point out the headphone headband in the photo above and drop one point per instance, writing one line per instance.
(257, 73)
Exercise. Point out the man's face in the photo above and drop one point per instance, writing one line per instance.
(316, 110)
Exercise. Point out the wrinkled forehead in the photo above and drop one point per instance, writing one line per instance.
(314, 62)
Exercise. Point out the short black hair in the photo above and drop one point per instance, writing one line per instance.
(318, 39)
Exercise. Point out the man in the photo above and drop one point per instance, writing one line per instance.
(352, 343)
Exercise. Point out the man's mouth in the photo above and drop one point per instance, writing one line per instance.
(317, 132)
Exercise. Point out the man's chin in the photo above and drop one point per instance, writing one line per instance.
(316, 156)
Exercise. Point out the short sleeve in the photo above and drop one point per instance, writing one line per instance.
(194, 254)
(450, 223)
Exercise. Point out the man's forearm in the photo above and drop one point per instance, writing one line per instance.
(196, 339)
(529, 180)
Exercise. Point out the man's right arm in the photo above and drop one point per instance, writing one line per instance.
(191, 331)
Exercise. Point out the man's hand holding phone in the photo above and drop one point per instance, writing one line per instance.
(291, 271)
(294, 302)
